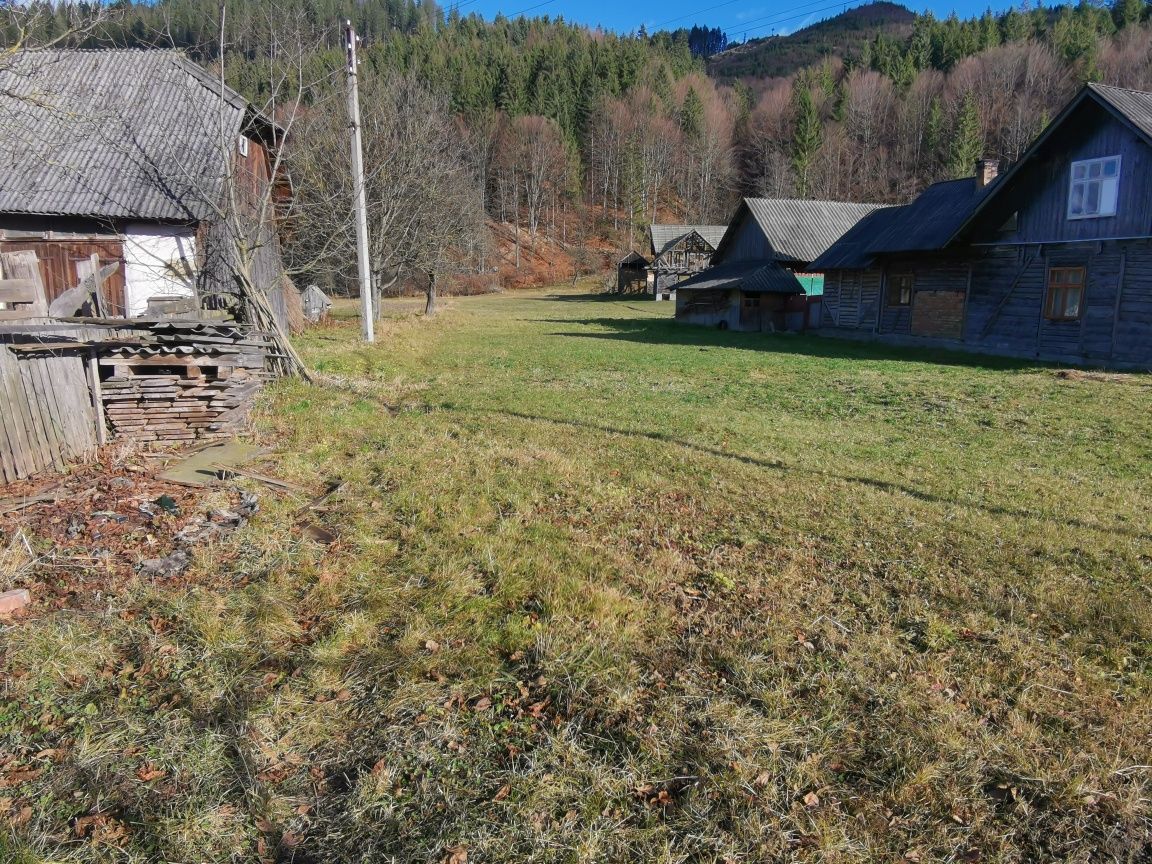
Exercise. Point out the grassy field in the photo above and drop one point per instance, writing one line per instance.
(606, 588)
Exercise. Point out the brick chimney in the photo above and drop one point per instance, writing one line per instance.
(986, 171)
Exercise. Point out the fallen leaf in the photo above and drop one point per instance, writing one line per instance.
(457, 855)
(504, 792)
(432, 646)
(811, 800)
(482, 704)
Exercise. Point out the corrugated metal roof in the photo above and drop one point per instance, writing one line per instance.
(933, 218)
(118, 134)
(850, 252)
(1136, 105)
(753, 277)
(664, 237)
(800, 230)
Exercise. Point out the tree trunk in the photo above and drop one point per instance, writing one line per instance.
(430, 294)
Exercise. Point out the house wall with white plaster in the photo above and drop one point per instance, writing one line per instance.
(159, 261)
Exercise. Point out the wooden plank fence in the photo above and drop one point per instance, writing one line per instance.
(49, 418)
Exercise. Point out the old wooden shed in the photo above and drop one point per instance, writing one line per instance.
(142, 160)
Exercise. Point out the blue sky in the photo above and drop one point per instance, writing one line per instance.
(736, 17)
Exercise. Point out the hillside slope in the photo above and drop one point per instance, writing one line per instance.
(846, 33)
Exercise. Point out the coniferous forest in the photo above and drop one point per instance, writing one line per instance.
(571, 133)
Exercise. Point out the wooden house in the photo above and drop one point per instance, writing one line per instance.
(678, 252)
(759, 278)
(143, 167)
(632, 273)
(1050, 260)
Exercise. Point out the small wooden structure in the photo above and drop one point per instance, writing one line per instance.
(632, 273)
(67, 386)
(315, 304)
(679, 252)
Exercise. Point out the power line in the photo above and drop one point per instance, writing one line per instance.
(530, 8)
(656, 27)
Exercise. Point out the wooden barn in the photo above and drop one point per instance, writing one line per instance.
(1050, 260)
(141, 166)
(632, 273)
(678, 252)
(759, 278)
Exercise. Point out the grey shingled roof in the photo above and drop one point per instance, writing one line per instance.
(753, 277)
(933, 218)
(850, 252)
(801, 230)
(664, 237)
(114, 134)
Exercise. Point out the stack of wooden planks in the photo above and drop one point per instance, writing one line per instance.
(185, 383)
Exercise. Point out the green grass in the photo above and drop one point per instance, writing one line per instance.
(608, 588)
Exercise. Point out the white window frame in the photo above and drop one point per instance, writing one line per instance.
(1107, 187)
(242, 146)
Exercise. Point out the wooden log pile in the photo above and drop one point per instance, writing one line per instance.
(184, 383)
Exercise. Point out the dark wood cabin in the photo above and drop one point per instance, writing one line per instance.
(1051, 260)
(760, 277)
(679, 252)
(632, 273)
(112, 161)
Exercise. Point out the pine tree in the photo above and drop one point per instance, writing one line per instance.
(692, 115)
(967, 139)
(1128, 12)
(806, 139)
(933, 134)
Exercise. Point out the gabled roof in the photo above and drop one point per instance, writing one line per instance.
(116, 134)
(850, 252)
(1131, 107)
(664, 237)
(799, 230)
(750, 276)
(633, 257)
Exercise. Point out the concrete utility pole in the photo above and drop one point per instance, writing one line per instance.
(366, 310)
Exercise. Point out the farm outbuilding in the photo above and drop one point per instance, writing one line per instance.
(678, 252)
(758, 279)
(142, 164)
(1050, 260)
(632, 273)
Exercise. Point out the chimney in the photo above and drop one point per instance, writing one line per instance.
(986, 171)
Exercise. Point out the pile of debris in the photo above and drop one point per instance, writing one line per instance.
(70, 541)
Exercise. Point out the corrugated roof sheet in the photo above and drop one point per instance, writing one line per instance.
(118, 134)
(800, 230)
(664, 237)
(753, 277)
(1136, 105)
(850, 252)
(933, 218)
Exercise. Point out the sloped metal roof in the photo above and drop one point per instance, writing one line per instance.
(664, 237)
(800, 230)
(750, 276)
(850, 252)
(114, 134)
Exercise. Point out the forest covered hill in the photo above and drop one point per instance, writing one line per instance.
(585, 136)
(841, 35)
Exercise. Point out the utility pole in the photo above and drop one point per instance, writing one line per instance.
(367, 313)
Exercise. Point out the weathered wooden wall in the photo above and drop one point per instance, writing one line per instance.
(49, 419)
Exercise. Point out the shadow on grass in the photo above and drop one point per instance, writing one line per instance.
(781, 466)
(665, 331)
(592, 297)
